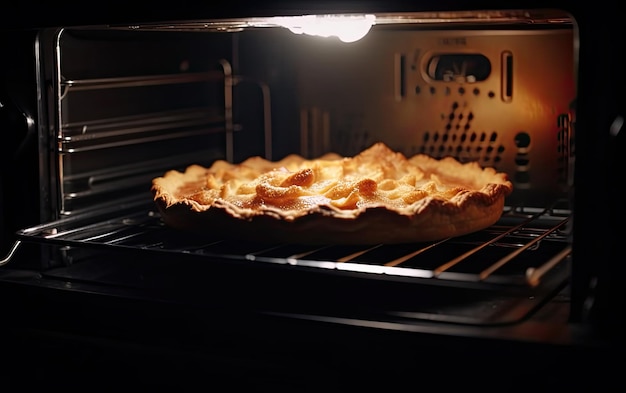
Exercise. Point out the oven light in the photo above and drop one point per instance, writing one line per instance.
(348, 28)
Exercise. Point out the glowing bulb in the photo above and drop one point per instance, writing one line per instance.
(348, 28)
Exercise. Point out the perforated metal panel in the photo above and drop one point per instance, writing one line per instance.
(510, 109)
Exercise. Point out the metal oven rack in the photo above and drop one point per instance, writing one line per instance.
(522, 259)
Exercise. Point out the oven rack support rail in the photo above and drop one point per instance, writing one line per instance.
(119, 131)
(69, 134)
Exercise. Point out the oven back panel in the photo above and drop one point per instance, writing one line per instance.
(498, 97)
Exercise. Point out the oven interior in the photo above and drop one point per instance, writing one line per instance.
(121, 105)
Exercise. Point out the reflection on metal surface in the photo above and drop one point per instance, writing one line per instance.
(12, 251)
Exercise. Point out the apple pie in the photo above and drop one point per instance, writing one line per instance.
(377, 196)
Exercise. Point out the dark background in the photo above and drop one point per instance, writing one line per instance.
(257, 353)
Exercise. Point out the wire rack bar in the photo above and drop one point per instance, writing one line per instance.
(536, 242)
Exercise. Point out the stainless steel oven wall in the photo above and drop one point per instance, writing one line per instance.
(127, 106)
(131, 105)
(120, 107)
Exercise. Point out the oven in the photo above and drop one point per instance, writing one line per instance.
(97, 290)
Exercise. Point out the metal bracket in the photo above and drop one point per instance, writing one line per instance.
(12, 251)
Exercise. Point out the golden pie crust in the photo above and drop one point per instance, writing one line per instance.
(377, 196)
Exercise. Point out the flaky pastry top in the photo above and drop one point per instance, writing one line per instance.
(343, 187)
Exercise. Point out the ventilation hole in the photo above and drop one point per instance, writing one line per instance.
(493, 137)
(460, 116)
(455, 106)
(418, 89)
(463, 137)
(470, 117)
(486, 158)
(459, 149)
(500, 149)
(467, 127)
(473, 137)
(426, 136)
(445, 138)
(457, 126)
(476, 91)
(436, 137)
(522, 177)
(451, 116)
(441, 148)
(449, 149)
(479, 149)
(448, 127)
(521, 161)
(461, 90)
(483, 136)
(432, 90)
(489, 149)
(491, 94)
(522, 139)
